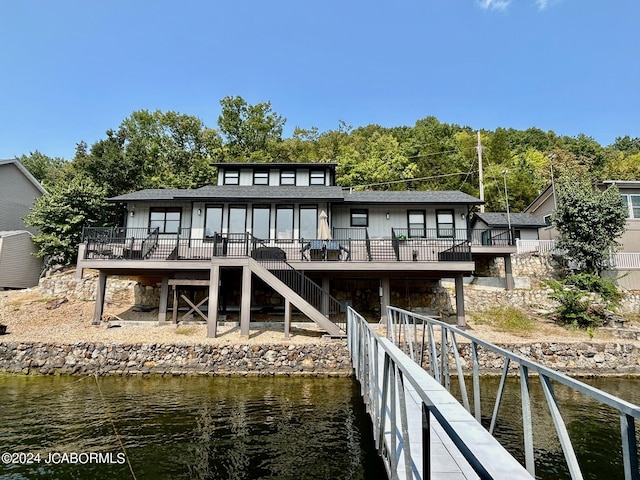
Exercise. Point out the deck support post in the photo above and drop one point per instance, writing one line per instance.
(287, 317)
(82, 251)
(212, 310)
(245, 303)
(461, 321)
(508, 273)
(325, 299)
(164, 300)
(101, 288)
(385, 298)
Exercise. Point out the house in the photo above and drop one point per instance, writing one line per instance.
(491, 226)
(283, 235)
(18, 191)
(626, 262)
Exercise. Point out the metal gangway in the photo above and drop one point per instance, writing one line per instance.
(434, 347)
(421, 430)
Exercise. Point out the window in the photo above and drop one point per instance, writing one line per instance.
(359, 218)
(416, 222)
(261, 220)
(212, 221)
(316, 177)
(632, 202)
(231, 177)
(284, 222)
(444, 223)
(287, 177)
(167, 220)
(237, 219)
(547, 219)
(260, 178)
(308, 222)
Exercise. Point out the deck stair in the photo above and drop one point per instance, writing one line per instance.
(289, 283)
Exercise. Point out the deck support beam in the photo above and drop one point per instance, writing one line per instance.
(212, 311)
(164, 300)
(101, 288)
(461, 321)
(325, 300)
(508, 273)
(287, 317)
(245, 302)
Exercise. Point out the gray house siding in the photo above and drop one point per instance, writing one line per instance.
(17, 194)
(19, 267)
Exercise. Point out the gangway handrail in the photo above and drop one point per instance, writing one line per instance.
(416, 335)
(394, 389)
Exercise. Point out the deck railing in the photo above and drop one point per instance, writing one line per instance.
(119, 243)
(437, 347)
(540, 246)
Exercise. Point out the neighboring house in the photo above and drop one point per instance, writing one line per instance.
(490, 227)
(627, 259)
(288, 228)
(18, 191)
(19, 266)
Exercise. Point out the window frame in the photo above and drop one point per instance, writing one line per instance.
(237, 207)
(628, 201)
(422, 227)
(206, 219)
(359, 211)
(253, 220)
(304, 208)
(231, 177)
(315, 176)
(440, 226)
(289, 175)
(166, 210)
(262, 175)
(280, 208)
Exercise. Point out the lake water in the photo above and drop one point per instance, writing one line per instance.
(185, 428)
(253, 428)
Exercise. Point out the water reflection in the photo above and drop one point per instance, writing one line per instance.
(195, 428)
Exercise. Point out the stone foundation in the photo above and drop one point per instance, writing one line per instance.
(331, 358)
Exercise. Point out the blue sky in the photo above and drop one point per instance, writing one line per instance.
(70, 70)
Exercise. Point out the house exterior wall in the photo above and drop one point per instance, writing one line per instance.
(17, 195)
(19, 267)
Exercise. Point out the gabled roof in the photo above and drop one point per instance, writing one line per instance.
(422, 196)
(500, 220)
(25, 172)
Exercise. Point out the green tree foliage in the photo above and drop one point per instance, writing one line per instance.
(61, 214)
(589, 222)
(47, 170)
(251, 132)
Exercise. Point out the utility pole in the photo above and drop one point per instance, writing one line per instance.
(481, 181)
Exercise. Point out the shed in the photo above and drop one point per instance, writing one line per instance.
(19, 267)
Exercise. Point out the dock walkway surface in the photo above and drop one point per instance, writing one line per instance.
(396, 390)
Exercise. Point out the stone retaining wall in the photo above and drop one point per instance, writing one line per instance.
(323, 359)
(330, 358)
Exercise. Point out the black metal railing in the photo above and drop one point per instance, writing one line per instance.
(492, 237)
(145, 244)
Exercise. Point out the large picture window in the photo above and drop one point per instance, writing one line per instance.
(417, 224)
(444, 223)
(167, 220)
(261, 220)
(213, 221)
(284, 222)
(359, 217)
(308, 221)
(237, 219)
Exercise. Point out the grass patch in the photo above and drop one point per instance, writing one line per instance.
(509, 320)
(186, 330)
(21, 299)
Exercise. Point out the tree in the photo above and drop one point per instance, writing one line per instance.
(61, 214)
(45, 169)
(589, 222)
(250, 131)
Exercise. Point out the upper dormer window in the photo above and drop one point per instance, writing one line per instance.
(287, 177)
(316, 177)
(231, 177)
(260, 178)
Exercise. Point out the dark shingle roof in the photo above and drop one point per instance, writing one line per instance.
(499, 220)
(422, 196)
(149, 194)
(230, 192)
